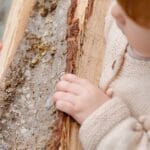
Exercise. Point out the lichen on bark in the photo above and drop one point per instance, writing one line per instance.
(28, 83)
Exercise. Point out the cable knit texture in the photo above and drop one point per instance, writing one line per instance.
(122, 123)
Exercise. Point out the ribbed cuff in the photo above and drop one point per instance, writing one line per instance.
(100, 122)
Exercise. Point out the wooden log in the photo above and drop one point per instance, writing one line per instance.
(85, 49)
(90, 51)
(85, 45)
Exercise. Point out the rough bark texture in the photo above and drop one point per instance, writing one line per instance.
(62, 35)
(89, 54)
(28, 83)
(85, 48)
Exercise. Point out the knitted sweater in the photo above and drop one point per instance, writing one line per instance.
(122, 123)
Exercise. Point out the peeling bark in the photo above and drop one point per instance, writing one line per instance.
(49, 46)
(79, 42)
(89, 54)
(34, 54)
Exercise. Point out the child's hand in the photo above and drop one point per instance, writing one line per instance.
(78, 97)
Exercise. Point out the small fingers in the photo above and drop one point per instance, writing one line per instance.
(69, 77)
(62, 96)
(66, 86)
(74, 78)
(65, 107)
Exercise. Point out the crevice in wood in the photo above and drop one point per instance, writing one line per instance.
(59, 136)
(71, 11)
(62, 134)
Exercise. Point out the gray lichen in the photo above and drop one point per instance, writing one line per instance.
(29, 82)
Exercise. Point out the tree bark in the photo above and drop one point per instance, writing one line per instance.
(33, 56)
(58, 36)
(90, 51)
(85, 46)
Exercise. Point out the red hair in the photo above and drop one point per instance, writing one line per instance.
(137, 10)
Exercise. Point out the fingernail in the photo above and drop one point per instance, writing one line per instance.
(60, 75)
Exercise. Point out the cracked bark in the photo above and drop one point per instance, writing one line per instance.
(34, 43)
(85, 46)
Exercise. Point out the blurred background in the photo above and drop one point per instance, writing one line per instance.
(4, 11)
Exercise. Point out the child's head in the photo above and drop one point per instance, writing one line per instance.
(133, 17)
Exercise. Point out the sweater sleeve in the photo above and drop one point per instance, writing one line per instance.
(112, 126)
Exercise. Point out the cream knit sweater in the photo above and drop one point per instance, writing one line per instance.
(123, 123)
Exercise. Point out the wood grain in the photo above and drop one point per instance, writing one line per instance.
(87, 62)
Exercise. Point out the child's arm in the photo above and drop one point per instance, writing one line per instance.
(112, 126)
(106, 123)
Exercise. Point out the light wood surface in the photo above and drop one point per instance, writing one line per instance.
(14, 31)
(90, 53)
